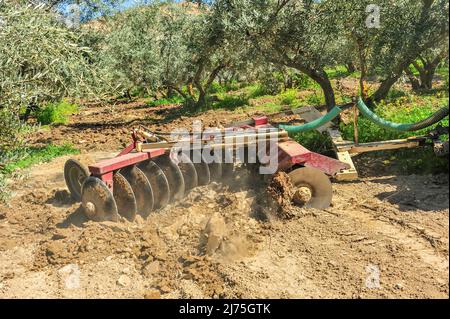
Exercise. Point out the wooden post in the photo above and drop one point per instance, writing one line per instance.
(355, 125)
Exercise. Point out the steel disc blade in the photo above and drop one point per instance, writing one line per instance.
(215, 168)
(75, 174)
(189, 173)
(318, 183)
(98, 201)
(141, 188)
(203, 174)
(124, 196)
(173, 175)
(159, 183)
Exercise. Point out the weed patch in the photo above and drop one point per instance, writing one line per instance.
(34, 156)
(167, 101)
(56, 113)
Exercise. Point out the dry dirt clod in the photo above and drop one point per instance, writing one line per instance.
(152, 268)
(152, 294)
(62, 196)
(61, 234)
(213, 233)
(124, 281)
(281, 191)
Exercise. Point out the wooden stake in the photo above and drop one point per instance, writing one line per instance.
(355, 125)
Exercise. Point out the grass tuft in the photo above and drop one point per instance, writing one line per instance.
(39, 155)
(166, 101)
(56, 113)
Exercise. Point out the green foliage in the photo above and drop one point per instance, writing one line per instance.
(225, 88)
(315, 141)
(34, 156)
(399, 112)
(271, 85)
(231, 102)
(289, 97)
(167, 101)
(11, 131)
(216, 88)
(56, 113)
(315, 99)
(26, 157)
(302, 81)
(257, 90)
(4, 194)
(420, 160)
(130, 51)
(41, 59)
(270, 107)
(339, 71)
(48, 62)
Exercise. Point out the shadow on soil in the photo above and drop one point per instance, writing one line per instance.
(77, 218)
(428, 194)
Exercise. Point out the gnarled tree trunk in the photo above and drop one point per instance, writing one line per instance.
(203, 88)
(426, 71)
(319, 76)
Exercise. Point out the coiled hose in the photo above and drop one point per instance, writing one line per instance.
(433, 119)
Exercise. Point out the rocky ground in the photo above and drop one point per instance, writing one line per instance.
(384, 236)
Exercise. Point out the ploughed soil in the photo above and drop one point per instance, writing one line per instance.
(385, 236)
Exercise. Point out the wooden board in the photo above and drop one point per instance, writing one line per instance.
(381, 146)
(343, 155)
(348, 174)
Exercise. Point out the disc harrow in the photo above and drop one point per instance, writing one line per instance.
(153, 172)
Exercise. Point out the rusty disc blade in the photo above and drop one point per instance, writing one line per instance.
(317, 182)
(215, 168)
(97, 201)
(173, 175)
(159, 183)
(202, 168)
(124, 196)
(189, 173)
(75, 174)
(141, 188)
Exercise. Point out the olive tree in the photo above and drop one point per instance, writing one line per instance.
(291, 33)
(212, 50)
(389, 36)
(426, 66)
(129, 51)
(40, 58)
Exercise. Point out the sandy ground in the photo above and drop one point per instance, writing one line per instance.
(383, 237)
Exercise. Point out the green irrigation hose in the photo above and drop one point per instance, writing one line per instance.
(433, 119)
(411, 127)
(335, 111)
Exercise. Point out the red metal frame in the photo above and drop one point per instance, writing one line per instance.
(290, 153)
(104, 169)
